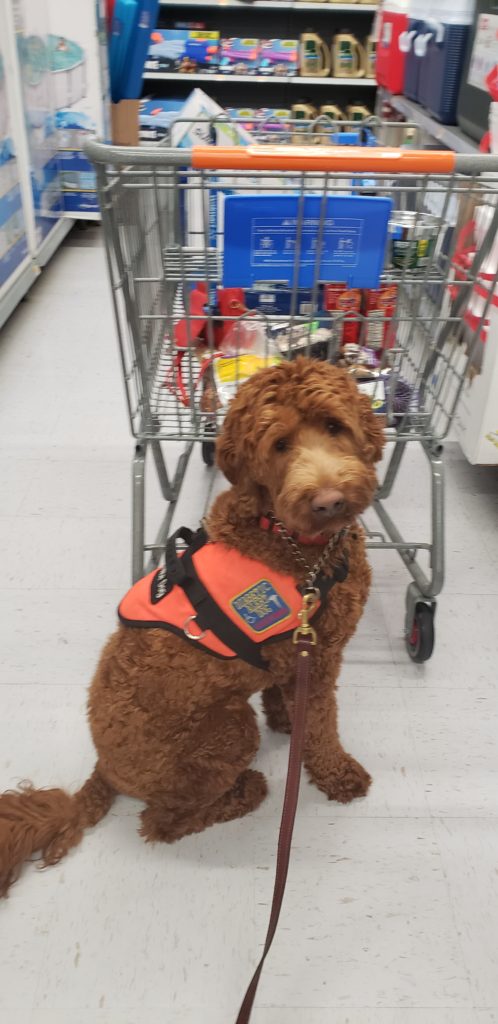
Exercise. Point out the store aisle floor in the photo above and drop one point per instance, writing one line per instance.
(391, 911)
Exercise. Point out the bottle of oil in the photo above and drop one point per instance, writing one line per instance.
(370, 50)
(314, 56)
(333, 111)
(302, 113)
(348, 59)
(357, 112)
(327, 124)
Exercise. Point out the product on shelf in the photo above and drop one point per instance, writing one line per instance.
(243, 115)
(357, 112)
(409, 43)
(314, 56)
(155, 118)
(183, 50)
(444, 47)
(273, 124)
(390, 60)
(201, 121)
(279, 57)
(239, 56)
(301, 114)
(348, 56)
(333, 111)
(370, 51)
(263, 122)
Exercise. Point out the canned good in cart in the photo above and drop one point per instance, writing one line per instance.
(221, 260)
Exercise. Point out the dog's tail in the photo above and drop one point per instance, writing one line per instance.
(48, 822)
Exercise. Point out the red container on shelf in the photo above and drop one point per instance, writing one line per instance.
(390, 60)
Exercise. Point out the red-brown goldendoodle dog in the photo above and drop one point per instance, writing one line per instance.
(171, 723)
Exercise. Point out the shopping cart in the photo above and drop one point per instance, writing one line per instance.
(176, 247)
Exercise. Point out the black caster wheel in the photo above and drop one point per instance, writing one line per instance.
(208, 453)
(420, 639)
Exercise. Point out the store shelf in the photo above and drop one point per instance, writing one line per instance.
(170, 76)
(274, 5)
(448, 135)
(16, 287)
(53, 240)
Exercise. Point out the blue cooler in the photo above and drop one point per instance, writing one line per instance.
(441, 57)
(407, 41)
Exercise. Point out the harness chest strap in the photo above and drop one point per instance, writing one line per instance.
(219, 599)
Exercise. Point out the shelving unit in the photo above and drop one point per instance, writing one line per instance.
(171, 76)
(275, 5)
(448, 135)
(270, 19)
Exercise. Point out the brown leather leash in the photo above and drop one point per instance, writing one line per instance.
(305, 639)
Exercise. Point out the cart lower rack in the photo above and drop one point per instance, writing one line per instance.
(383, 260)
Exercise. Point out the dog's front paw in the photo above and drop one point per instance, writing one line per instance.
(346, 781)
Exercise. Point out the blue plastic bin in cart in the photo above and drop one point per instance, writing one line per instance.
(261, 233)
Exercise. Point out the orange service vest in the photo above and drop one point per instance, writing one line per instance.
(219, 599)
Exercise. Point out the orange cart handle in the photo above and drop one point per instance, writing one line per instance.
(344, 159)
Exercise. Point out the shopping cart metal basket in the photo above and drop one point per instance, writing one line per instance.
(190, 236)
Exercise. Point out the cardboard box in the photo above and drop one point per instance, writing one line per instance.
(156, 117)
(183, 50)
(239, 56)
(279, 57)
(124, 123)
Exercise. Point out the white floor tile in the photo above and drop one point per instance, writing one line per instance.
(78, 488)
(469, 855)
(15, 479)
(455, 739)
(376, 923)
(53, 636)
(39, 553)
(261, 1015)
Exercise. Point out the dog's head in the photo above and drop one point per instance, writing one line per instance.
(304, 441)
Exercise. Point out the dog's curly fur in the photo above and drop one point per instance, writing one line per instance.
(173, 726)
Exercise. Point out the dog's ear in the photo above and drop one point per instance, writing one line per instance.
(235, 433)
(372, 428)
(228, 456)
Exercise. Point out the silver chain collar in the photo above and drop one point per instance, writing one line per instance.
(312, 571)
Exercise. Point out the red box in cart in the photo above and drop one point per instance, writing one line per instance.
(379, 307)
(338, 298)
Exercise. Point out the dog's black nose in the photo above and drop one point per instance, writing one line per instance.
(328, 502)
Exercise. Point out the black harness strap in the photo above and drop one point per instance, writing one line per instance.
(181, 572)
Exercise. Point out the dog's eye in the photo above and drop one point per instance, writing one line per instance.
(281, 445)
(334, 427)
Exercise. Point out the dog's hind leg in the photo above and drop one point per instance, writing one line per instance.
(275, 710)
(212, 782)
(163, 824)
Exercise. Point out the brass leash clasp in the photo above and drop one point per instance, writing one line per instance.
(304, 631)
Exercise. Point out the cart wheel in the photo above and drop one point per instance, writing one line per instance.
(420, 641)
(208, 452)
